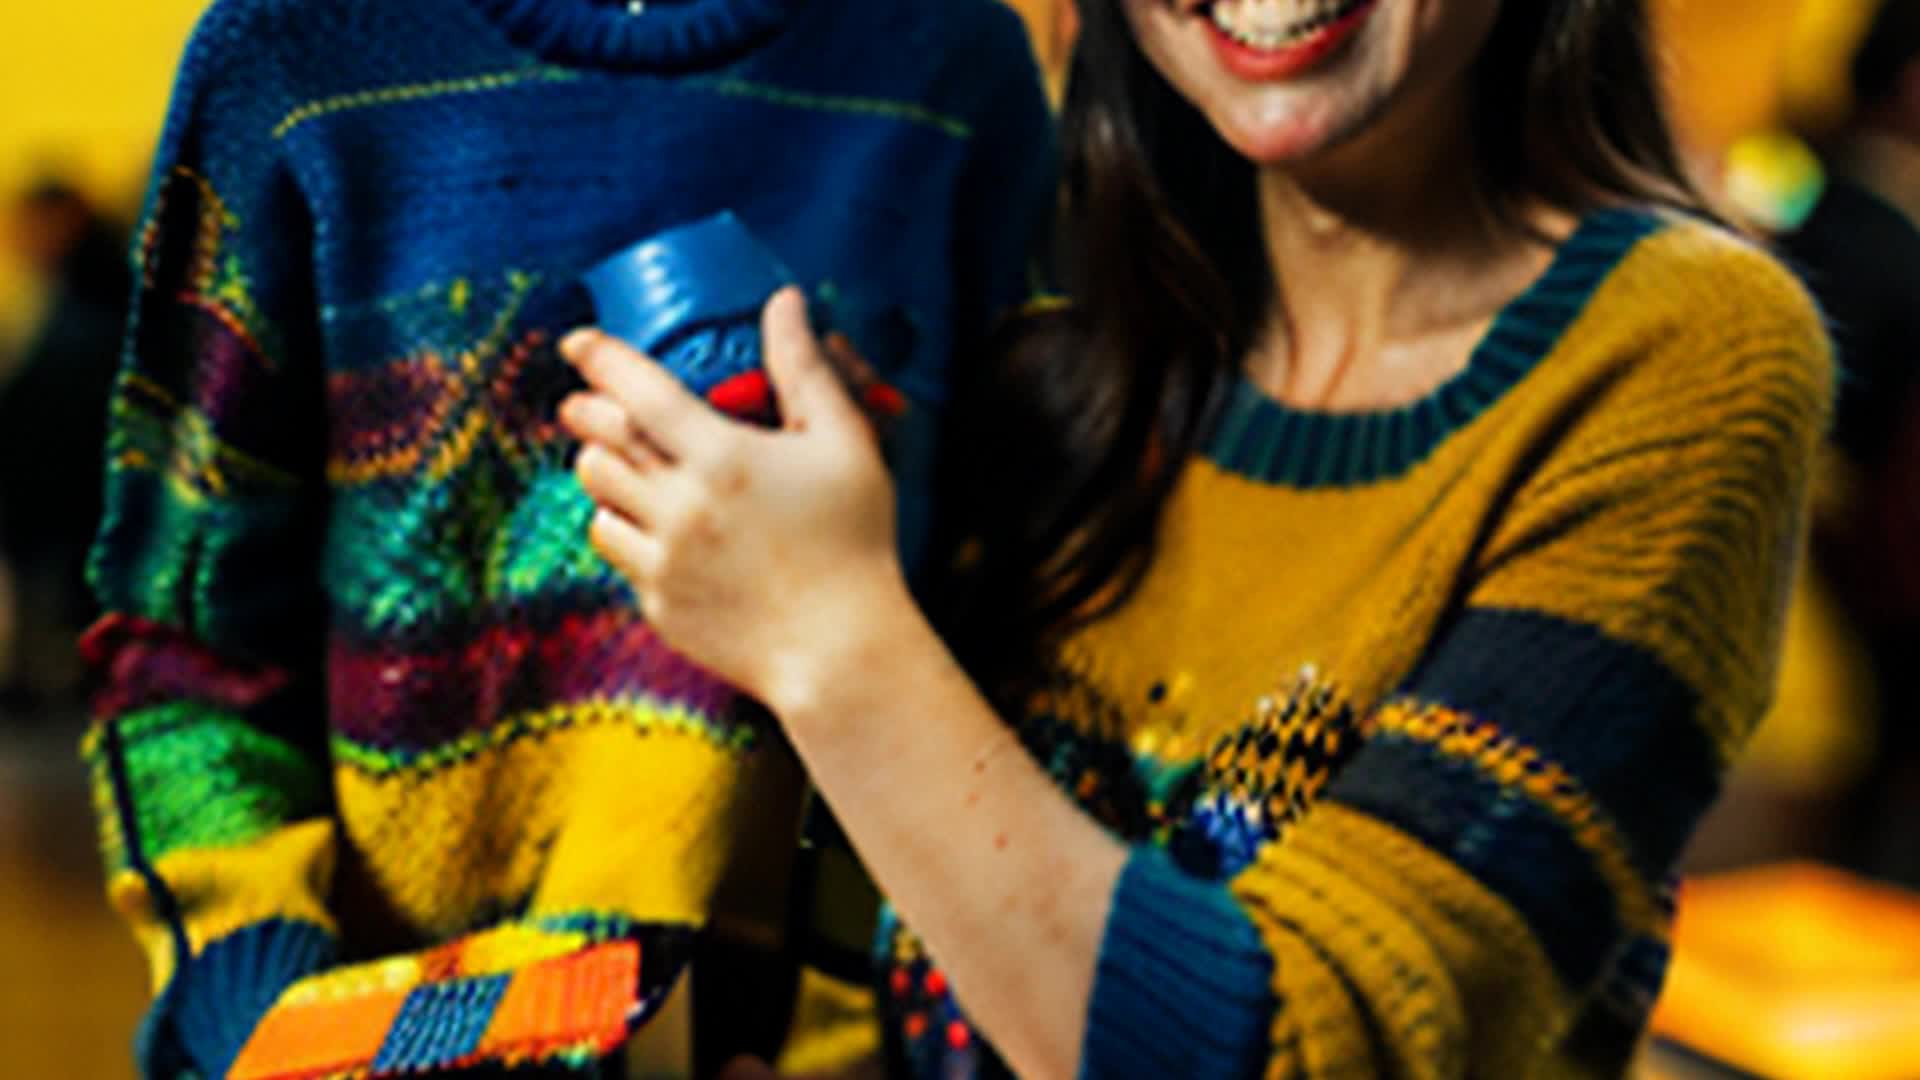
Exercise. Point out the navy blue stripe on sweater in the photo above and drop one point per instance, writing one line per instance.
(1517, 848)
(1609, 712)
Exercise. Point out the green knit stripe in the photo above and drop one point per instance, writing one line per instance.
(200, 777)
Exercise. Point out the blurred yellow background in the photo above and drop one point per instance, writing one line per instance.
(83, 88)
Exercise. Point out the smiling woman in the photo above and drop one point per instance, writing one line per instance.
(1356, 588)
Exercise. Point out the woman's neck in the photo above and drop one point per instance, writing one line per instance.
(1387, 264)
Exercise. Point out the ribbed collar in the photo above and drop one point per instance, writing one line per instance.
(1262, 439)
(663, 34)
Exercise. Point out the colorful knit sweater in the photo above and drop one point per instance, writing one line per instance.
(1415, 709)
(365, 688)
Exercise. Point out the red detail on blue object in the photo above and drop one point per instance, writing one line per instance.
(748, 394)
(936, 982)
(884, 400)
(902, 982)
(958, 1036)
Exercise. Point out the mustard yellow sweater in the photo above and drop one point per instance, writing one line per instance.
(1415, 709)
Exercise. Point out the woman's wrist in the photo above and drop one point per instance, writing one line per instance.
(863, 625)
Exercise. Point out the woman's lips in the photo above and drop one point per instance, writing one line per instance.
(1268, 57)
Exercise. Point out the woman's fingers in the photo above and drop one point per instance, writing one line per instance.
(639, 494)
(627, 548)
(803, 378)
(667, 413)
(596, 418)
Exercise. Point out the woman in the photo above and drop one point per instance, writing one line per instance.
(1378, 561)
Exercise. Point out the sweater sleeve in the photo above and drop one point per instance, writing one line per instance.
(1488, 871)
(207, 748)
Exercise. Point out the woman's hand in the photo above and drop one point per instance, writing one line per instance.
(753, 551)
(768, 557)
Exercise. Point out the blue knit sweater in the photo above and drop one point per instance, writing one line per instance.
(343, 555)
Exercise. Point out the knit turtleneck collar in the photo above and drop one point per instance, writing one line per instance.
(665, 34)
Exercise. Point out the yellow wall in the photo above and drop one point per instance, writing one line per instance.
(1724, 58)
(83, 87)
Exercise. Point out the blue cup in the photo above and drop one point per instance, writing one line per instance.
(691, 298)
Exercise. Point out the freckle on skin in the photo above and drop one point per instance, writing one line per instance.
(1000, 842)
(700, 529)
(735, 481)
(973, 798)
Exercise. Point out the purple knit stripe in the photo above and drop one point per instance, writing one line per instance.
(398, 701)
(388, 410)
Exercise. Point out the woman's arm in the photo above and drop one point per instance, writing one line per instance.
(991, 862)
(1485, 870)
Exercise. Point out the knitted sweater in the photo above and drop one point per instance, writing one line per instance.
(1414, 710)
(365, 687)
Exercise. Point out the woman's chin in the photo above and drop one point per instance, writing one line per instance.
(1278, 141)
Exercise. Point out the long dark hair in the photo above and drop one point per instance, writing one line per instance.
(1069, 435)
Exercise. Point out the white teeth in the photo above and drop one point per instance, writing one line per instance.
(1272, 24)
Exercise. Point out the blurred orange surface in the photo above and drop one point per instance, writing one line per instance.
(1797, 971)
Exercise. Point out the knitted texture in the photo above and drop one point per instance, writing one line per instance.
(365, 688)
(1423, 704)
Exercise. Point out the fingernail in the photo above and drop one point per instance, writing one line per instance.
(576, 343)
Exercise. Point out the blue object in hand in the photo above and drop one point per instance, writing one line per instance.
(691, 298)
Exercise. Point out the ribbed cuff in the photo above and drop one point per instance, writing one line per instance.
(1184, 984)
(215, 1001)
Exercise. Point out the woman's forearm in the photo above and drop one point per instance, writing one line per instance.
(1007, 881)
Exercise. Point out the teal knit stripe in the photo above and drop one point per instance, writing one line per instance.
(220, 996)
(1265, 440)
(1184, 984)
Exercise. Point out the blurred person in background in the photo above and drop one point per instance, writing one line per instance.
(1830, 769)
(1860, 254)
(52, 429)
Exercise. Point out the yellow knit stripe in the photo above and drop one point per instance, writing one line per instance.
(1344, 966)
(197, 456)
(606, 816)
(1521, 769)
(215, 219)
(285, 875)
(849, 104)
(1422, 943)
(1670, 518)
(420, 91)
(497, 951)
(639, 715)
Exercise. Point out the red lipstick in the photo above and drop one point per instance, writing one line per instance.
(1296, 57)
